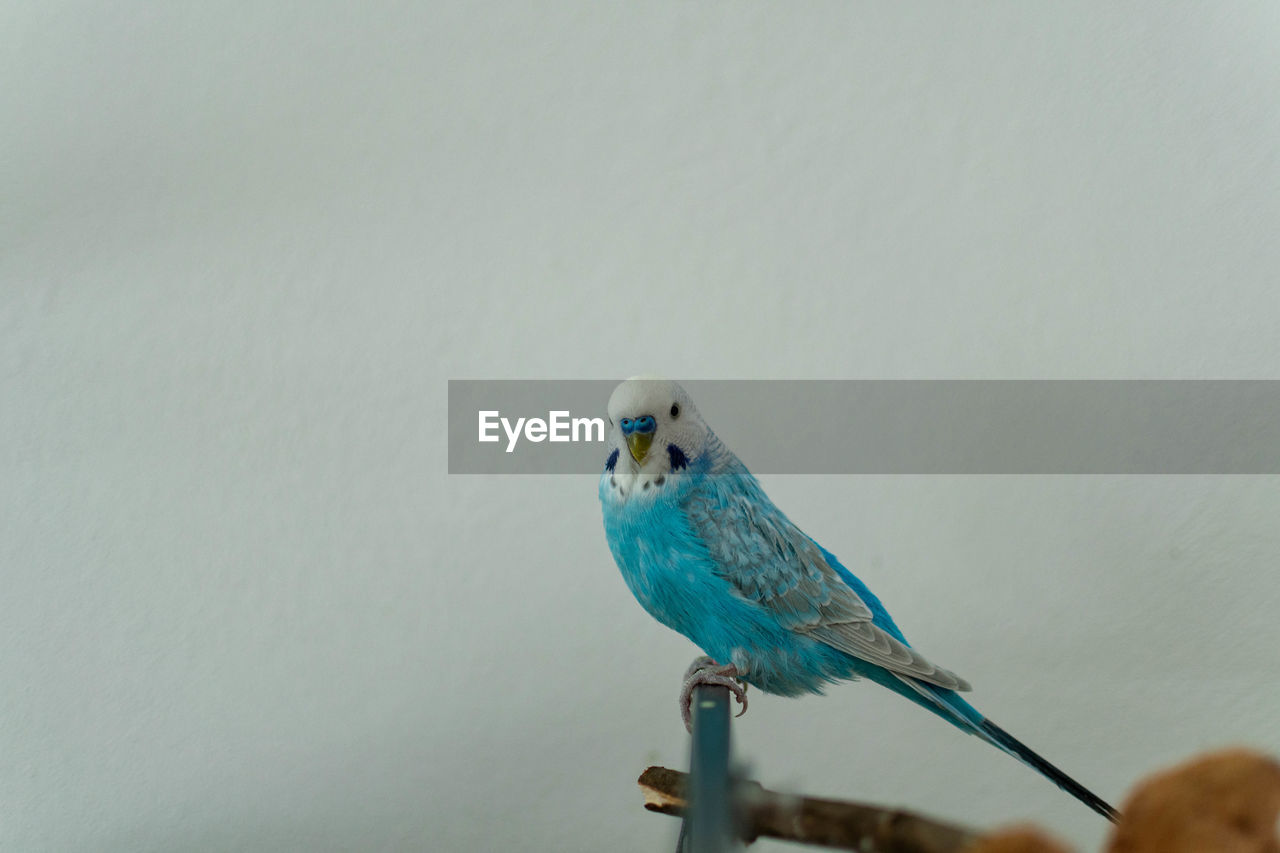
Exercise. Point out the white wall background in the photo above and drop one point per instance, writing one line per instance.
(243, 246)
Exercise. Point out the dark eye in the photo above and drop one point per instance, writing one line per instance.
(675, 410)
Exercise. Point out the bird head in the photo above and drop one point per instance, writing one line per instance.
(654, 427)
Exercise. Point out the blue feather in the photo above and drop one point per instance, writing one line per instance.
(677, 457)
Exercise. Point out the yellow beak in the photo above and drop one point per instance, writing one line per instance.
(638, 443)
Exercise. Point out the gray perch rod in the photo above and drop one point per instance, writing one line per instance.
(709, 821)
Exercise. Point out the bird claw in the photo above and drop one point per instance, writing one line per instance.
(699, 663)
(704, 670)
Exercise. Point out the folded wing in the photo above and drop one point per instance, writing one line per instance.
(771, 561)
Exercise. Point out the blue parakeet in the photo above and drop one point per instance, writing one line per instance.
(706, 553)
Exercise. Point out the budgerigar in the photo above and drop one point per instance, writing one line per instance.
(707, 553)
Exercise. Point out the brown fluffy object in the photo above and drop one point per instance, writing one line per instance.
(1225, 802)
(1017, 839)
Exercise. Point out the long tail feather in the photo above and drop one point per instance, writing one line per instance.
(1007, 742)
(959, 712)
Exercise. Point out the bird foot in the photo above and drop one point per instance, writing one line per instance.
(704, 670)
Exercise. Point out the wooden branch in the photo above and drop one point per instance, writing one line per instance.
(827, 823)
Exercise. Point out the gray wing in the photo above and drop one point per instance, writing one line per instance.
(772, 562)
